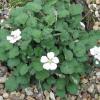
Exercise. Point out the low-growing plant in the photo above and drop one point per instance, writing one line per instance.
(14, 3)
(43, 42)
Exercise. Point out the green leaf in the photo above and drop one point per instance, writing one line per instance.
(56, 50)
(80, 68)
(42, 75)
(72, 88)
(3, 55)
(46, 86)
(37, 35)
(13, 52)
(13, 62)
(75, 34)
(51, 2)
(38, 51)
(23, 80)
(63, 13)
(23, 69)
(11, 84)
(50, 19)
(67, 68)
(36, 65)
(60, 84)
(48, 9)
(75, 78)
(5, 44)
(48, 43)
(68, 54)
(83, 59)
(71, 67)
(47, 33)
(60, 93)
(51, 80)
(75, 9)
(26, 34)
(79, 51)
(64, 36)
(24, 44)
(31, 22)
(33, 6)
(21, 19)
(16, 11)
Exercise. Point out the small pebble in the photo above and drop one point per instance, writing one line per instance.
(96, 96)
(96, 26)
(91, 88)
(97, 14)
(29, 91)
(14, 97)
(1, 86)
(98, 87)
(98, 74)
(2, 91)
(84, 81)
(5, 95)
(3, 79)
(47, 96)
(52, 96)
(30, 98)
(22, 96)
(1, 98)
(97, 1)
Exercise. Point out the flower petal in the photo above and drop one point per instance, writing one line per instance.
(18, 38)
(94, 50)
(46, 66)
(12, 41)
(55, 60)
(44, 59)
(50, 55)
(9, 37)
(16, 32)
(53, 66)
(97, 57)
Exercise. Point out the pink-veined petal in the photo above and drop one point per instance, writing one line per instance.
(46, 66)
(50, 55)
(53, 66)
(44, 59)
(55, 60)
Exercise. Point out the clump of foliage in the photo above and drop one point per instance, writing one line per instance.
(46, 26)
(15, 3)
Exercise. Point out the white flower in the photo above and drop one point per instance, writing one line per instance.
(50, 61)
(15, 36)
(95, 52)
